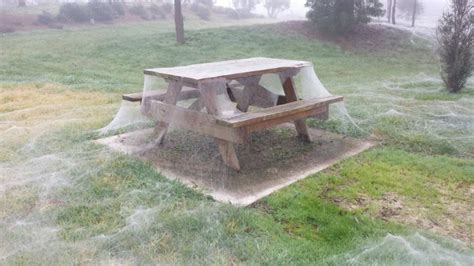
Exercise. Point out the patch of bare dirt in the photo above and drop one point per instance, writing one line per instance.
(457, 219)
(364, 37)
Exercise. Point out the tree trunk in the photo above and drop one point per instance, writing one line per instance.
(178, 22)
(414, 13)
(271, 12)
(394, 11)
(389, 11)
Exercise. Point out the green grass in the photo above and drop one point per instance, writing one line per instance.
(111, 59)
(154, 219)
(97, 206)
(420, 180)
(121, 53)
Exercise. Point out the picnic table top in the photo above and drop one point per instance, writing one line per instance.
(231, 69)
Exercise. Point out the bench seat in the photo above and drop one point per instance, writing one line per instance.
(280, 113)
(236, 128)
(186, 93)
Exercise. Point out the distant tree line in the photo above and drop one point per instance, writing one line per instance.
(242, 9)
(409, 9)
(341, 16)
(274, 7)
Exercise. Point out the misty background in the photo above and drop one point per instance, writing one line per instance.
(432, 9)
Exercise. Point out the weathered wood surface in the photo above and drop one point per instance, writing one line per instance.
(209, 91)
(278, 111)
(253, 94)
(284, 119)
(236, 95)
(228, 154)
(324, 115)
(236, 129)
(195, 121)
(137, 96)
(171, 97)
(230, 70)
(291, 96)
(227, 124)
(186, 93)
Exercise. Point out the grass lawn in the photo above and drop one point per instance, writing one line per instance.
(64, 199)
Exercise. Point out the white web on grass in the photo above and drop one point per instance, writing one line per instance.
(414, 249)
(39, 167)
(412, 111)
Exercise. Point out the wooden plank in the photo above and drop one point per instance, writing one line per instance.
(171, 97)
(284, 119)
(186, 93)
(227, 151)
(302, 129)
(254, 94)
(210, 93)
(232, 69)
(282, 100)
(277, 111)
(324, 115)
(290, 93)
(263, 97)
(209, 97)
(198, 122)
(209, 90)
(137, 96)
(249, 83)
(236, 94)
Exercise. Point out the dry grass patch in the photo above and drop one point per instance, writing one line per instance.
(28, 111)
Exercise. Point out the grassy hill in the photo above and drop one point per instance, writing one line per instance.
(65, 199)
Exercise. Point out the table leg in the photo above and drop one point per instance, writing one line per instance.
(255, 94)
(247, 93)
(227, 151)
(171, 97)
(290, 94)
(209, 97)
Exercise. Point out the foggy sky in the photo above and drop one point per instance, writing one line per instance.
(432, 9)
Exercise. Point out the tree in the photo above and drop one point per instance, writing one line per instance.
(456, 42)
(410, 9)
(341, 16)
(276, 6)
(178, 22)
(389, 10)
(21, 3)
(415, 10)
(394, 11)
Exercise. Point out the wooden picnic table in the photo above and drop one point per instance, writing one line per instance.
(212, 86)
